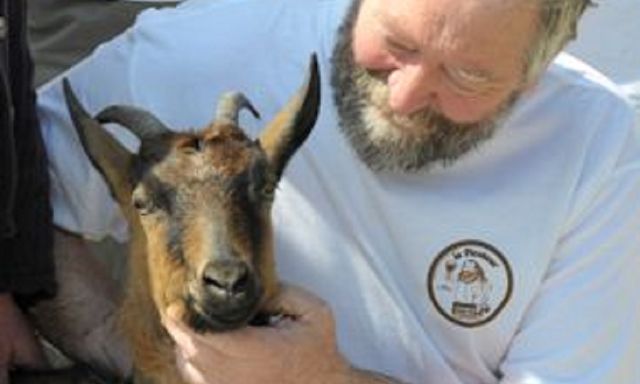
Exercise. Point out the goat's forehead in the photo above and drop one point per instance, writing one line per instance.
(217, 153)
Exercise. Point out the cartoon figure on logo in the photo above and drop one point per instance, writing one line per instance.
(472, 290)
(450, 267)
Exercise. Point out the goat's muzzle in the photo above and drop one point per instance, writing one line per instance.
(225, 296)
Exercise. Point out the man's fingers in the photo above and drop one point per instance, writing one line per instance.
(187, 370)
(30, 356)
(298, 306)
(4, 374)
(180, 333)
(27, 351)
(237, 343)
(298, 302)
(192, 344)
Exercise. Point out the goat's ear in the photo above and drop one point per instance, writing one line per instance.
(292, 125)
(106, 153)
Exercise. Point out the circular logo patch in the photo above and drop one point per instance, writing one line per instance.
(469, 283)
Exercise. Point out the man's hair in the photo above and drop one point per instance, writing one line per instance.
(557, 26)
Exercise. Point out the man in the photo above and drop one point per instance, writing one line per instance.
(26, 266)
(448, 136)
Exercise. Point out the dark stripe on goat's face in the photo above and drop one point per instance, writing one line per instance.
(163, 198)
(251, 196)
(176, 234)
(245, 222)
(153, 150)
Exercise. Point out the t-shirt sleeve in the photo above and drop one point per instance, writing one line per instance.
(583, 325)
(80, 197)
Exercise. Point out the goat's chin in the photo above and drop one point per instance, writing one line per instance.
(202, 318)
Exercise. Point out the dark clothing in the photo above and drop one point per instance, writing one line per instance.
(56, 25)
(26, 234)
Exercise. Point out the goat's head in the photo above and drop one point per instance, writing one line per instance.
(201, 201)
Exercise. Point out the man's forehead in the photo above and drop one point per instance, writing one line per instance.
(475, 30)
(440, 11)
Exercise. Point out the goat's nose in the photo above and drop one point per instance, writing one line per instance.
(227, 277)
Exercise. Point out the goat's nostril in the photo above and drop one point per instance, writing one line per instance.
(242, 283)
(226, 276)
(208, 280)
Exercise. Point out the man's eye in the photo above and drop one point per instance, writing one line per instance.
(467, 82)
(400, 48)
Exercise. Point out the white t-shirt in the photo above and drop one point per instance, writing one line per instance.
(516, 264)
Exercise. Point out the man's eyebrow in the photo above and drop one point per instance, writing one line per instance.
(391, 27)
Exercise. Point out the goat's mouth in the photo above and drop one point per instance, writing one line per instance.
(204, 315)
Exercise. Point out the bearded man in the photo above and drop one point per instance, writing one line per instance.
(451, 132)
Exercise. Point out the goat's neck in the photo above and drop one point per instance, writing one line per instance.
(152, 348)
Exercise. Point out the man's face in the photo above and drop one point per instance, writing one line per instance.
(419, 81)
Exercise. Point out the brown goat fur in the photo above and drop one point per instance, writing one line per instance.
(198, 208)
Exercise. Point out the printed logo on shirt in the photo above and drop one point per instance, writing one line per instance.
(470, 282)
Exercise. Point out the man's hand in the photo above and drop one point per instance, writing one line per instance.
(18, 343)
(300, 348)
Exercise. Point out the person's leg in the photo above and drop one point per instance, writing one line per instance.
(81, 320)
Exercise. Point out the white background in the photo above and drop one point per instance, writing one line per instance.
(609, 39)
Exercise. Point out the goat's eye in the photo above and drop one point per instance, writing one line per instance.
(268, 192)
(262, 193)
(192, 146)
(143, 204)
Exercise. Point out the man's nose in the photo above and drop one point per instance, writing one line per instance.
(412, 88)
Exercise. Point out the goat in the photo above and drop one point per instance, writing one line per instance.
(198, 208)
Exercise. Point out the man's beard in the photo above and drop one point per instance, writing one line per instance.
(388, 141)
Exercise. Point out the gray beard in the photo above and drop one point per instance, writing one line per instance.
(386, 141)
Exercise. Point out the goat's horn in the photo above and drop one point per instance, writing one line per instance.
(140, 122)
(293, 124)
(78, 114)
(229, 107)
